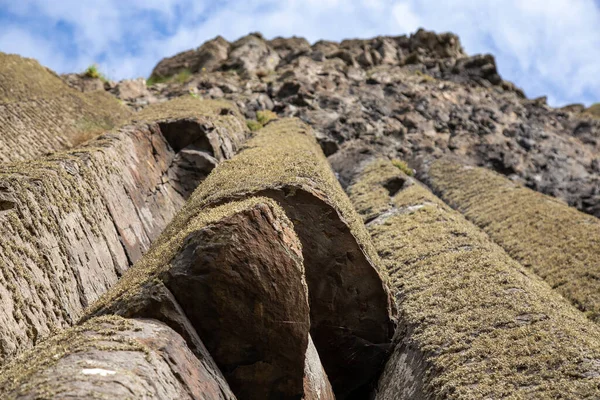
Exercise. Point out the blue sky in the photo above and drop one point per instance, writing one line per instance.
(547, 47)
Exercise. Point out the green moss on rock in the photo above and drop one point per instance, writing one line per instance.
(558, 242)
(476, 324)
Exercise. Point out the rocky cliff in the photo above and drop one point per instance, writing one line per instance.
(269, 219)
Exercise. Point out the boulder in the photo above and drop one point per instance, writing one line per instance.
(207, 57)
(251, 54)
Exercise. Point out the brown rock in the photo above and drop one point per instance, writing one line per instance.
(242, 263)
(316, 383)
(73, 222)
(112, 357)
(131, 89)
(202, 133)
(250, 54)
(83, 83)
(350, 308)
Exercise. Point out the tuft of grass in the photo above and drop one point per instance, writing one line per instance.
(264, 116)
(181, 77)
(403, 166)
(253, 125)
(93, 72)
(424, 76)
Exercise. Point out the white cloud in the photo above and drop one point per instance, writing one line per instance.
(545, 46)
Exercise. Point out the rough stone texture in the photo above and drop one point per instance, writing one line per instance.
(130, 89)
(206, 58)
(350, 305)
(83, 82)
(316, 383)
(74, 221)
(39, 113)
(242, 262)
(473, 322)
(203, 133)
(116, 358)
(559, 243)
(417, 96)
(251, 54)
(71, 225)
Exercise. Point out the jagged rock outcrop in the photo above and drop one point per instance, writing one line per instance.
(206, 58)
(39, 113)
(73, 222)
(559, 243)
(417, 96)
(473, 322)
(113, 357)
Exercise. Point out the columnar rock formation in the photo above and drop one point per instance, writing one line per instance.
(74, 221)
(246, 225)
(112, 357)
(559, 243)
(473, 322)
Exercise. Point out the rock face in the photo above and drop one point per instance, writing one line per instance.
(473, 322)
(350, 306)
(73, 222)
(559, 243)
(39, 113)
(242, 263)
(270, 242)
(408, 97)
(112, 357)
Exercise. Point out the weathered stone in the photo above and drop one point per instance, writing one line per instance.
(131, 89)
(203, 133)
(316, 383)
(83, 83)
(39, 113)
(559, 243)
(235, 272)
(73, 222)
(350, 308)
(207, 57)
(112, 357)
(473, 322)
(250, 54)
(71, 225)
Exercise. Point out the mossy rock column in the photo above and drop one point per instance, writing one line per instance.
(116, 358)
(473, 323)
(71, 223)
(558, 242)
(39, 113)
(349, 302)
(233, 274)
